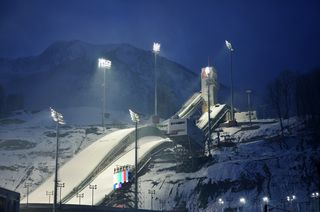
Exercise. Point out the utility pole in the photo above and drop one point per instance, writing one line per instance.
(92, 187)
(80, 196)
(229, 46)
(156, 51)
(151, 192)
(135, 118)
(58, 118)
(49, 193)
(104, 65)
(27, 186)
(60, 186)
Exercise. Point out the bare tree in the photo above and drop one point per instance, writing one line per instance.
(281, 95)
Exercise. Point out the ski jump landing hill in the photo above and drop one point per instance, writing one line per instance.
(94, 165)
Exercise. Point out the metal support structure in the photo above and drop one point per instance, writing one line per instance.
(27, 186)
(156, 51)
(231, 80)
(80, 196)
(60, 186)
(229, 46)
(249, 104)
(155, 86)
(136, 168)
(135, 118)
(58, 118)
(104, 99)
(104, 65)
(56, 171)
(151, 192)
(49, 193)
(209, 119)
(92, 187)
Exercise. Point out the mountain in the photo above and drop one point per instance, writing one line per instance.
(66, 75)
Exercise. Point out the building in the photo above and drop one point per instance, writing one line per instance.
(9, 200)
(209, 83)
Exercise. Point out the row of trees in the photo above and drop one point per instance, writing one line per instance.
(10, 102)
(293, 94)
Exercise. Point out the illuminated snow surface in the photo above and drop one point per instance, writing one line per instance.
(258, 165)
(74, 171)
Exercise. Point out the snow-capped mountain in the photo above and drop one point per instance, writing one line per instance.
(66, 74)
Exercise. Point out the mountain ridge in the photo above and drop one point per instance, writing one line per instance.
(70, 68)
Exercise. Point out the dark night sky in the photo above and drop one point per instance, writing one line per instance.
(268, 35)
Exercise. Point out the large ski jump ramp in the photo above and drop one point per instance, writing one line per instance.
(76, 170)
(91, 162)
(104, 180)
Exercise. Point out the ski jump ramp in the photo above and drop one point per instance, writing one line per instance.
(95, 165)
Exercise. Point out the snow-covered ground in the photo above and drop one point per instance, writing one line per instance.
(251, 169)
(28, 141)
(257, 164)
(78, 168)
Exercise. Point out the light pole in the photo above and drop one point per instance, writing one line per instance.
(315, 196)
(92, 187)
(27, 186)
(242, 202)
(135, 118)
(104, 65)
(60, 186)
(156, 51)
(49, 193)
(221, 203)
(265, 201)
(58, 118)
(249, 104)
(229, 46)
(290, 199)
(80, 196)
(151, 192)
(209, 82)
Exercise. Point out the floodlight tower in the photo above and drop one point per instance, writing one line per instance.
(104, 65)
(265, 204)
(156, 51)
(229, 46)
(92, 187)
(27, 186)
(209, 82)
(135, 118)
(58, 118)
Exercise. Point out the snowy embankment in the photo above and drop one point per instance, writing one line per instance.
(251, 168)
(28, 142)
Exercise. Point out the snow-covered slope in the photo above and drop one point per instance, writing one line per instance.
(27, 145)
(253, 168)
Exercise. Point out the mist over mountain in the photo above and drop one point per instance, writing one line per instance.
(66, 75)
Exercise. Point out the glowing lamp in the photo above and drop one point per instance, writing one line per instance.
(103, 63)
(156, 48)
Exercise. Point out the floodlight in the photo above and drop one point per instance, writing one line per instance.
(156, 48)
(103, 63)
(134, 116)
(56, 116)
(221, 202)
(229, 46)
(265, 199)
(207, 70)
(242, 200)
